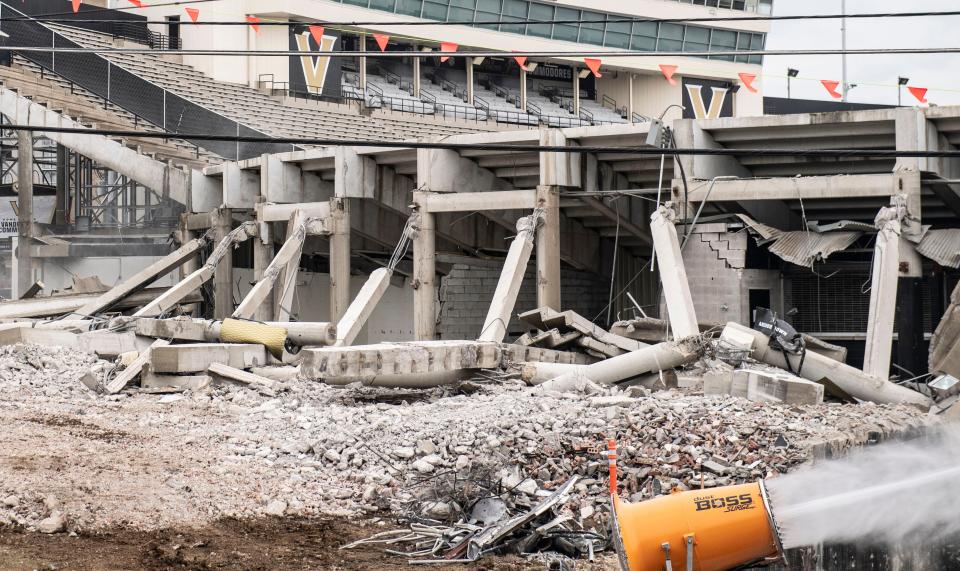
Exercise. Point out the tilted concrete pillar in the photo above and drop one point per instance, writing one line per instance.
(221, 222)
(548, 248)
(673, 273)
(883, 292)
(287, 281)
(424, 276)
(362, 306)
(339, 257)
(508, 287)
(25, 264)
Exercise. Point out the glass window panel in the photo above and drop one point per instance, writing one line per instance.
(356, 2)
(724, 38)
(699, 35)
(756, 42)
(665, 45)
(616, 40)
(471, 4)
(513, 28)
(618, 27)
(743, 41)
(492, 6)
(487, 17)
(435, 11)
(671, 31)
(409, 7)
(541, 13)
(515, 8)
(647, 29)
(460, 14)
(387, 5)
(567, 32)
(592, 32)
(643, 43)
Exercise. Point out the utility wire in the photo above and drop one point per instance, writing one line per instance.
(505, 147)
(265, 21)
(97, 9)
(487, 53)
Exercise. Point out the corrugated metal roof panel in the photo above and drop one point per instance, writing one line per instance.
(941, 246)
(805, 248)
(767, 232)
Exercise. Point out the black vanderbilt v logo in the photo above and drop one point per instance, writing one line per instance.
(700, 110)
(314, 68)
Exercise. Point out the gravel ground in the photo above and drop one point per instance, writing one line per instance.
(146, 462)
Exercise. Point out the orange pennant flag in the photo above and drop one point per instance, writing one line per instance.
(382, 40)
(831, 87)
(317, 33)
(668, 71)
(447, 47)
(254, 23)
(76, 6)
(594, 65)
(747, 79)
(521, 61)
(136, 3)
(919, 92)
(193, 13)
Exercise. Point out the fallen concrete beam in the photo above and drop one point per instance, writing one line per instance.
(572, 320)
(508, 287)
(26, 334)
(419, 357)
(406, 380)
(240, 376)
(818, 368)
(513, 353)
(107, 344)
(673, 274)
(188, 329)
(290, 249)
(667, 355)
(534, 373)
(152, 380)
(142, 278)
(192, 282)
(362, 306)
(764, 386)
(69, 303)
(196, 357)
(945, 342)
(127, 375)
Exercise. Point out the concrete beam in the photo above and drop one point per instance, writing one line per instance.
(362, 306)
(673, 274)
(362, 362)
(558, 169)
(127, 375)
(688, 133)
(883, 295)
(60, 304)
(356, 175)
(156, 175)
(475, 201)
(241, 187)
(280, 182)
(196, 357)
(808, 187)
(511, 277)
(267, 212)
(142, 278)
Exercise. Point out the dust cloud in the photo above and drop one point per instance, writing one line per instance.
(893, 493)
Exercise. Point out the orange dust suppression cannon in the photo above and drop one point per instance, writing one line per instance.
(701, 530)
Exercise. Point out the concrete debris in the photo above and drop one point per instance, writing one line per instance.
(764, 386)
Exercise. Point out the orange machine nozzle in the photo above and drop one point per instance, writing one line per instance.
(701, 530)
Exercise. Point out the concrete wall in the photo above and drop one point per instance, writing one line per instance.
(57, 273)
(6, 268)
(720, 284)
(465, 295)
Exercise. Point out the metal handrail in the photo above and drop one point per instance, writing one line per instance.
(376, 90)
(481, 103)
(534, 108)
(427, 96)
(608, 101)
(584, 114)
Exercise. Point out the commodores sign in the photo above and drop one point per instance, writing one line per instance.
(706, 99)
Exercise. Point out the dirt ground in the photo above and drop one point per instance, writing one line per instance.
(262, 544)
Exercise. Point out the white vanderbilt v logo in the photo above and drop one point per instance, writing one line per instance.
(700, 110)
(314, 68)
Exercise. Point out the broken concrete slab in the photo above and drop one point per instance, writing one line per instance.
(763, 386)
(240, 376)
(519, 353)
(189, 329)
(944, 345)
(107, 344)
(127, 375)
(398, 358)
(28, 334)
(152, 380)
(196, 357)
(61, 304)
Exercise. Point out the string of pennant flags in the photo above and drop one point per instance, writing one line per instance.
(593, 64)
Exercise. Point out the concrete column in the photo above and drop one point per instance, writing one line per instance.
(262, 254)
(280, 182)
(548, 248)
(673, 274)
(508, 287)
(362, 306)
(221, 221)
(25, 264)
(339, 258)
(883, 295)
(424, 277)
(363, 64)
(576, 91)
(191, 265)
(356, 175)
(416, 76)
(523, 89)
(558, 169)
(469, 61)
(630, 97)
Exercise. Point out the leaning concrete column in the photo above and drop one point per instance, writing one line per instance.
(548, 248)
(505, 296)
(25, 269)
(673, 273)
(819, 368)
(659, 357)
(339, 258)
(362, 306)
(283, 293)
(883, 294)
(424, 276)
(262, 254)
(221, 221)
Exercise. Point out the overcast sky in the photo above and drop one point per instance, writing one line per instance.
(876, 75)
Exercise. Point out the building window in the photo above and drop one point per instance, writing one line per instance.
(567, 32)
(409, 7)
(541, 13)
(671, 38)
(488, 11)
(435, 10)
(514, 10)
